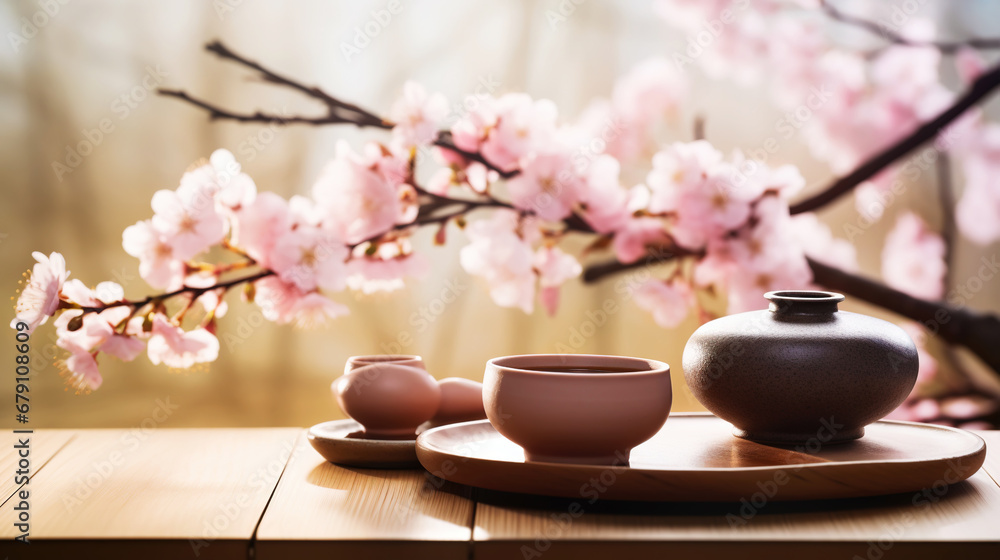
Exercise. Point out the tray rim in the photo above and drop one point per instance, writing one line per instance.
(980, 449)
(310, 434)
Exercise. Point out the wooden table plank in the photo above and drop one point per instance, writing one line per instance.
(960, 519)
(43, 445)
(164, 493)
(992, 465)
(321, 510)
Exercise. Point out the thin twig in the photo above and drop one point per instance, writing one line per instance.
(892, 36)
(195, 293)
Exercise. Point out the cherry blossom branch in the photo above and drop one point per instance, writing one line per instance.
(976, 331)
(888, 34)
(338, 111)
(194, 293)
(982, 87)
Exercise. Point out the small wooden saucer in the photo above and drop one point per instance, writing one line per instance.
(343, 442)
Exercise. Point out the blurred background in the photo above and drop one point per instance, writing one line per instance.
(99, 60)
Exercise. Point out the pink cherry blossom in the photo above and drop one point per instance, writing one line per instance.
(212, 302)
(223, 179)
(691, 182)
(313, 311)
(507, 128)
(978, 209)
(669, 302)
(75, 291)
(123, 347)
(158, 265)
(81, 371)
(359, 201)
(547, 186)
(98, 333)
(970, 64)
(386, 270)
(283, 303)
(651, 90)
(633, 241)
(39, 298)
(820, 245)
(554, 267)
(470, 131)
(304, 211)
(913, 258)
(258, 225)
(417, 115)
(187, 219)
(605, 203)
(310, 257)
(760, 259)
(968, 407)
(92, 332)
(180, 349)
(503, 258)
(865, 113)
(277, 299)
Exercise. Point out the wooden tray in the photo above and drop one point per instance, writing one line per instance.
(695, 457)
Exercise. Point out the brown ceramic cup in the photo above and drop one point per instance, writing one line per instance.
(354, 362)
(577, 408)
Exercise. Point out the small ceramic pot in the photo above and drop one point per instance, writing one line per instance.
(355, 362)
(801, 372)
(577, 408)
(461, 401)
(389, 399)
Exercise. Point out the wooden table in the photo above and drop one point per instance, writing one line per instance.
(264, 493)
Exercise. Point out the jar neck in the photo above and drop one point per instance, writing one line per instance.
(802, 303)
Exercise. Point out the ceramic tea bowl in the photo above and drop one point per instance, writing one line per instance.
(577, 408)
(801, 372)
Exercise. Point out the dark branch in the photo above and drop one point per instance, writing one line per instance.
(884, 32)
(980, 89)
(976, 331)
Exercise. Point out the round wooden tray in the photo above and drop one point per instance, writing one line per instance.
(695, 457)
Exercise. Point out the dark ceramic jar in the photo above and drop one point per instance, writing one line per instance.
(802, 371)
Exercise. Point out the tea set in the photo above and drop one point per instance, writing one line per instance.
(779, 379)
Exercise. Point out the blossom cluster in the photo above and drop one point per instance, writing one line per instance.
(724, 219)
